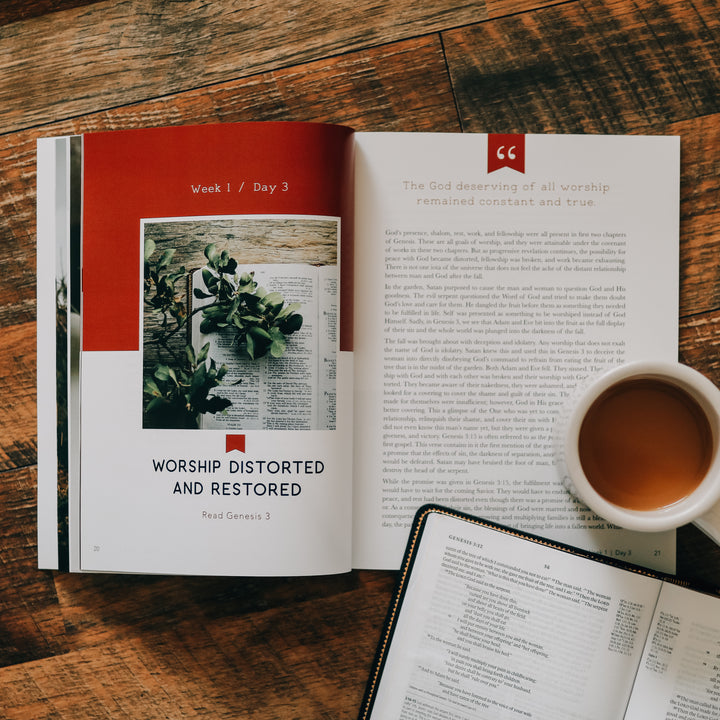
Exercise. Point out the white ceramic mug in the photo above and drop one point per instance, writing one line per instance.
(689, 508)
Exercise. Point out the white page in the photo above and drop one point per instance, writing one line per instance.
(52, 231)
(679, 675)
(280, 506)
(475, 321)
(495, 627)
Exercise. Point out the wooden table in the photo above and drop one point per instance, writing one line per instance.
(164, 647)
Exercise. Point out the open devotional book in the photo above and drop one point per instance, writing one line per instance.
(289, 336)
(492, 624)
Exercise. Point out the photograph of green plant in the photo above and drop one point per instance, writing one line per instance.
(178, 377)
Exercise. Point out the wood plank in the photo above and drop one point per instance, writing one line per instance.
(17, 233)
(700, 344)
(501, 8)
(699, 214)
(310, 659)
(596, 66)
(14, 10)
(31, 625)
(18, 381)
(100, 60)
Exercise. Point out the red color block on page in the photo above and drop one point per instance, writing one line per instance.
(138, 174)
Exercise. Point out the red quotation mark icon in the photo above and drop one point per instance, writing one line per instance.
(506, 151)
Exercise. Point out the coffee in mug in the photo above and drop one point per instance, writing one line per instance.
(640, 445)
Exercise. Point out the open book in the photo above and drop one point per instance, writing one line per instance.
(489, 623)
(383, 320)
(295, 391)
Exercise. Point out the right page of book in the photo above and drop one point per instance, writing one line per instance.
(493, 274)
(494, 627)
(679, 675)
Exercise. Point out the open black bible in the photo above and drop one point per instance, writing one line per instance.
(488, 622)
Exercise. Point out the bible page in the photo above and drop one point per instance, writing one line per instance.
(679, 676)
(495, 627)
(292, 392)
(484, 295)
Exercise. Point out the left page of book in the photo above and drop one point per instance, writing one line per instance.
(58, 345)
(493, 626)
(160, 492)
(499, 272)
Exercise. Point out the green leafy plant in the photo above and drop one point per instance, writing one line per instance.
(179, 387)
(160, 292)
(178, 394)
(260, 320)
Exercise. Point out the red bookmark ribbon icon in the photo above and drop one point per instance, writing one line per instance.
(506, 151)
(234, 442)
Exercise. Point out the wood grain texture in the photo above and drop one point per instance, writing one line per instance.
(31, 626)
(150, 648)
(700, 344)
(112, 54)
(699, 214)
(501, 8)
(14, 10)
(18, 380)
(599, 67)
